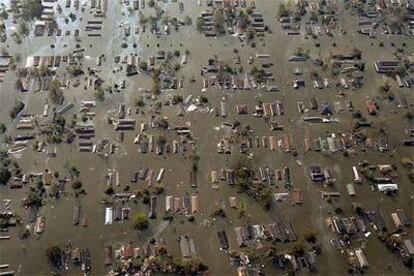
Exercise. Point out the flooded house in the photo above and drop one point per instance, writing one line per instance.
(40, 225)
(224, 242)
(108, 255)
(195, 204)
(109, 215)
(152, 207)
(169, 203)
(76, 214)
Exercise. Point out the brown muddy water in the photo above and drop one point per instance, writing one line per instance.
(28, 256)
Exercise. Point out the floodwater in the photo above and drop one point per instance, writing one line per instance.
(28, 256)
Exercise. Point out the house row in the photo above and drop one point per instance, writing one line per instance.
(230, 82)
(124, 124)
(149, 144)
(295, 196)
(187, 204)
(127, 252)
(50, 61)
(187, 247)
(93, 28)
(5, 61)
(225, 145)
(400, 219)
(357, 258)
(345, 142)
(326, 109)
(387, 66)
(236, 3)
(149, 175)
(280, 231)
(347, 225)
(264, 175)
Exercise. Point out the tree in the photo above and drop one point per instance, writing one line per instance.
(23, 29)
(407, 162)
(158, 105)
(165, 18)
(76, 184)
(192, 266)
(162, 123)
(411, 175)
(75, 70)
(60, 121)
(100, 94)
(298, 249)
(177, 99)
(200, 24)
(54, 190)
(31, 9)
(188, 20)
(313, 16)
(219, 20)
(17, 108)
(243, 20)
(219, 212)
(266, 198)
(74, 172)
(283, 9)
(159, 189)
(250, 33)
(19, 85)
(161, 141)
(5, 175)
(35, 195)
(409, 115)
(310, 236)
(2, 128)
(109, 191)
(242, 210)
(398, 16)
(16, 37)
(72, 17)
(156, 82)
(258, 74)
(45, 71)
(140, 221)
(143, 66)
(357, 53)
(55, 93)
(168, 216)
(139, 102)
(54, 254)
(3, 13)
(153, 21)
(203, 99)
(142, 19)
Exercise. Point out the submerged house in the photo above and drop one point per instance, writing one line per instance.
(387, 66)
(326, 110)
